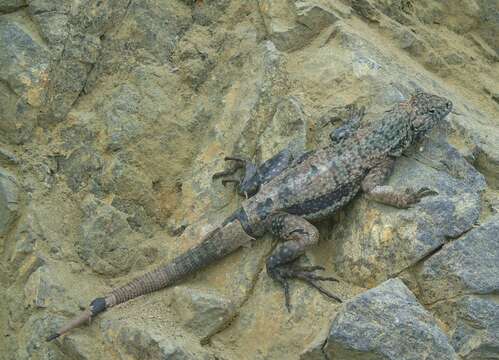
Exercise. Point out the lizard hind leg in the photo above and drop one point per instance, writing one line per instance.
(298, 234)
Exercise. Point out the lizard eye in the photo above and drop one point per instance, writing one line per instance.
(431, 111)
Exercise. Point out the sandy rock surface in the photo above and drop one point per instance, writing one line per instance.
(115, 114)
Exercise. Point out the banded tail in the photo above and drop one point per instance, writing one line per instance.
(216, 245)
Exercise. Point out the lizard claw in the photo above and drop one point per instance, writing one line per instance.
(278, 276)
(424, 191)
(414, 197)
(308, 275)
(303, 273)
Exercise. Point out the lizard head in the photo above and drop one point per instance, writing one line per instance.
(428, 110)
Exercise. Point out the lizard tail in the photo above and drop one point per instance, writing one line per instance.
(216, 245)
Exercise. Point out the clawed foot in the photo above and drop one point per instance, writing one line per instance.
(305, 273)
(415, 197)
(239, 163)
(246, 186)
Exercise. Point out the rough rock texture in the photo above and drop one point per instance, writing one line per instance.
(471, 322)
(386, 322)
(9, 199)
(469, 265)
(115, 114)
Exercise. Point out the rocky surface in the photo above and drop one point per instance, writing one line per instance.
(469, 265)
(471, 322)
(115, 115)
(386, 322)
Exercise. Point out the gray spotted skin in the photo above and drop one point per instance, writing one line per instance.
(265, 172)
(291, 193)
(329, 178)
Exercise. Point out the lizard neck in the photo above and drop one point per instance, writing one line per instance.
(389, 137)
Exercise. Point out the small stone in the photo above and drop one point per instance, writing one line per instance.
(24, 62)
(149, 342)
(8, 200)
(28, 267)
(81, 166)
(287, 129)
(31, 340)
(365, 9)
(469, 265)
(202, 312)
(27, 233)
(472, 323)
(41, 290)
(386, 322)
(291, 25)
(11, 5)
(106, 243)
(8, 157)
(120, 115)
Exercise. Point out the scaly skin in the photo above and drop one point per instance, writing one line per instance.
(287, 194)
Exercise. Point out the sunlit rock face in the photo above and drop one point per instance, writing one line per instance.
(116, 114)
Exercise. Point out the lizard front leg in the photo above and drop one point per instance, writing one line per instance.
(298, 234)
(351, 116)
(373, 186)
(255, 176)
(351, 124)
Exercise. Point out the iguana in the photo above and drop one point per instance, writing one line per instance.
(285, 194)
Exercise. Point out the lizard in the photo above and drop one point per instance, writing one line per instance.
(284, 196)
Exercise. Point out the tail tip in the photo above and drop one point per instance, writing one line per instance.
(52, 337)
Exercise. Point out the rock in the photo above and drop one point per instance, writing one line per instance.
(8, 157)
(149, 342)
(202, 312)
(196, 55)
(469, 265)
(9, 200)
(24, 75)
(314, 16)
(207, 13)
(42, 289)
(27, 233)
(31, 345)
(399, 10)
(120, 114)
(74, 36)
(106, 242)
(486, 150)
(386, 322)
(391, 240)
(30, 264)
(445, 157)
(156, 26)
(117, 113)
(472, 323)
(287, 129)
(133, 193)
(81, 166)
(52, 18)
(315, 350)
(291, 25)
(24, 62)
(11, 5)
(81, 347)
(366, 9)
